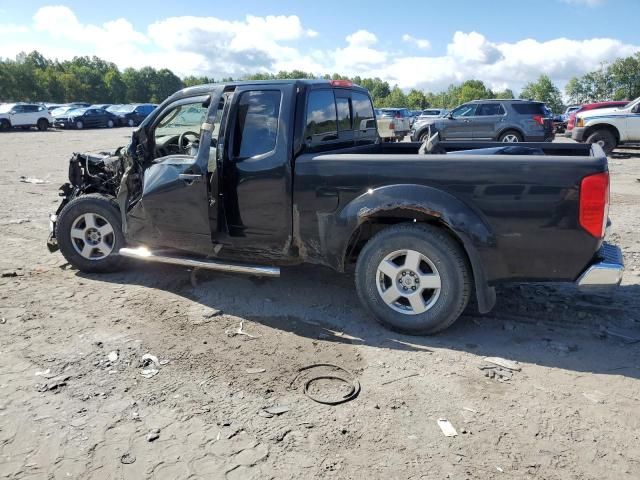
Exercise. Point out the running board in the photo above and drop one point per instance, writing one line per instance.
(142, 253)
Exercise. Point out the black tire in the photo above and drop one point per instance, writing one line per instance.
(5, 125)
(102, 206)
(43, 124)
(605, 139)
(445, 254)
(510, 133)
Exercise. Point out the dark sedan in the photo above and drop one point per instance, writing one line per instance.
(80, 118)
(132, 115)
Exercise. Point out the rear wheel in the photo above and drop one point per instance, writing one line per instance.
(131, 123)
(510, 136)
(605, 139)
(43, 124)
(413, 278)
(89, 233)
(5, 125)
(110, 123)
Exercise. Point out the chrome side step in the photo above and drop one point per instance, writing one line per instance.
(142, 253)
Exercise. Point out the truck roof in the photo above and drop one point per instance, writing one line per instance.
(315, 83)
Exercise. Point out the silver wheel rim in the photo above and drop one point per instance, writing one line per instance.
(131, 124)
(92, 236)
(408, 282)
(79, 125)
(110, 124)
(510, 138)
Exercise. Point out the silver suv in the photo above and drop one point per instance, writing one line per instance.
(491, 120)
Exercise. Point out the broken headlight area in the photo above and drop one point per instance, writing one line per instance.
(88, 173)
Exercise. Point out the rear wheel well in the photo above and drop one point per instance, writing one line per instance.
(602, 126)
(510, 129)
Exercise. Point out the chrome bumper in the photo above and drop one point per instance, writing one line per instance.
(606, 271)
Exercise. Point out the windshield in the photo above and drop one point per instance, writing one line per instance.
(60, 110)
(77, 111)
(6, 107)
(127, 108)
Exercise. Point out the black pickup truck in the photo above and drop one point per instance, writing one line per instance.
(251, 176)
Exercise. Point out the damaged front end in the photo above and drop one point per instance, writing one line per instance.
(89, 173)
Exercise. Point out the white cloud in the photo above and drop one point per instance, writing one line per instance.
(421, 43)
(217, 47)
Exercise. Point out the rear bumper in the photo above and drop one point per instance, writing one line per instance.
(605, 271)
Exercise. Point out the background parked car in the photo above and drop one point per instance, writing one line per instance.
(571, 123)
(401, 119)
(432, 113)
(24, 115)
(102, 106)
(492, 120)
(132, 115)
(60, 111)
(80, 118)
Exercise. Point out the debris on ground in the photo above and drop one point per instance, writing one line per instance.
(127, 459)
(400, 378)
(504, 363)
(499, 368)
(595, 396)
(239, 331)
(10, 273)
(43, 373)
(350, 395)
(3, 321)
(33, 180)
(251, 371)
(53, 384)
(276, 410)
(113, 356)
(447, 428)
(16, 221)
(153, 435)
(150, 364)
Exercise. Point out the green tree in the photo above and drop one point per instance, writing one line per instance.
(543, 90)
(416, 100)
(625, 77)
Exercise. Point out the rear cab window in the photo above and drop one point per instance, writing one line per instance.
(338, 118)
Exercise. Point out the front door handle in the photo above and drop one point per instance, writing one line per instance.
(190, 177)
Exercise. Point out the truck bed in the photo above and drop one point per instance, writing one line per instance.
(519, 211)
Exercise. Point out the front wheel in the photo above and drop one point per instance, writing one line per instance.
(79, 125)
(605, 139)
(413, 278)
(43, 124)
(110, 123)
(89, 233)
(5, 125)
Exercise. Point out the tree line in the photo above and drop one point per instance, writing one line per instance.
(619, 80)
(32, 77)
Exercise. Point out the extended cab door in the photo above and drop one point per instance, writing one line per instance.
(176, 201)
(256, 179)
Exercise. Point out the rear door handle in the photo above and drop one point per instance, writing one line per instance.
(190, 177)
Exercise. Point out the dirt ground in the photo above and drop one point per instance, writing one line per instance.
(68, 411)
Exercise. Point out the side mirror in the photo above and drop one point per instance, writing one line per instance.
(450, 116)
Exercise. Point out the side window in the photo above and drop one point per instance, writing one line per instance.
(18, 109)
(322, 124)
(488, 109)
(364, 121)
(256, 128)
(185, 120)
(468, 110)
(344, 114)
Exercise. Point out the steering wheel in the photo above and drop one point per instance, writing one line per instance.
(184, 143)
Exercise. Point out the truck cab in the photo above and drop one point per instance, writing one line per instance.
(609, 127)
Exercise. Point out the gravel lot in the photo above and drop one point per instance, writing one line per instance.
(68, 411)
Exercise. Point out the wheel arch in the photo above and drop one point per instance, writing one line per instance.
(510, 128)
(377, 209)
(591, 129)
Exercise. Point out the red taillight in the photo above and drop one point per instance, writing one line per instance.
(392, 126)
(539, 119)
(341, 83)
(594, 203)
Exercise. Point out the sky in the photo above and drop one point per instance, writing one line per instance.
(418, 44)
